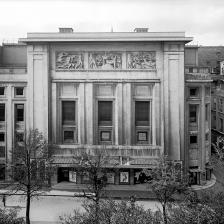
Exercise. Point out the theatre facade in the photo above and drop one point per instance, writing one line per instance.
(126, 93)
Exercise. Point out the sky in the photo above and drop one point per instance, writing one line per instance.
(201, 19)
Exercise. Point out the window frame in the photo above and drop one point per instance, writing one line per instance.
(105, 127)
(4, 112)
(15, 91)
(197, 95)
(193, 143)
(69, 126)
(4, 90)
(16, 111)
(193, 123)
(143, 128)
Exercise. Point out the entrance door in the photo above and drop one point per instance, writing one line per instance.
(63, 174)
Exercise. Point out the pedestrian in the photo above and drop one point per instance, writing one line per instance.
(4, 199)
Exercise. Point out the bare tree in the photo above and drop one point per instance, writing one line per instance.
(31, 166)
(166, 182)
(94, 164)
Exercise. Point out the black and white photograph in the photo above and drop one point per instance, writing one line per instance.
(111, 112)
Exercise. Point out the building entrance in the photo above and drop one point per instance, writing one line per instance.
(63, 174)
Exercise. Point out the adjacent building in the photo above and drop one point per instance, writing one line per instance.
(128, 93)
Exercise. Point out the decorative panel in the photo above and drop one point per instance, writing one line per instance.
(105, 60)
(143, 90)
(105, 90)
(69, 60)
(68, 90)
(193, 154)
(141, 60)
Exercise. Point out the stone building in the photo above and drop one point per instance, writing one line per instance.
(125, 92)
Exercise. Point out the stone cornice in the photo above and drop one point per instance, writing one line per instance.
(107, 37)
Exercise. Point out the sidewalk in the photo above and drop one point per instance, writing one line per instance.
(140, 191)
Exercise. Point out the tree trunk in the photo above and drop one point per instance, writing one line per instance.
(97, 211)
(164, 214)
(28, 206)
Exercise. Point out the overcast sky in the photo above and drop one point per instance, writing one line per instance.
(201, 19)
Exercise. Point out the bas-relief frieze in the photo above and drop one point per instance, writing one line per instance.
(141, 60)
(105, 60)
(69, 60)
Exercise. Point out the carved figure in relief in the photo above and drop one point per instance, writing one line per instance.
(92, 63)
(141, 60)
(69, 61)
(104, 60)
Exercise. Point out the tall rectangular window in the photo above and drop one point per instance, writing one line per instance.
(68, 112)
(69, 122)
(2, 136)
(19, 112)
(105, 113)
(2, 90)
(105, 121)
(2, 151)
(142, 121)
(141, 113)
(193, 113)
(2, 112)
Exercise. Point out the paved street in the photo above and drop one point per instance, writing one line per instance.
(47, 209)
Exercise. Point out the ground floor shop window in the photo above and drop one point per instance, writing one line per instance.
(111, 178)
(72, 176)
(124, 177)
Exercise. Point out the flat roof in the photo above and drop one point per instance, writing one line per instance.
(105, 36)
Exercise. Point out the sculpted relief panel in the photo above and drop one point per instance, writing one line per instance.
(105, 60)
(101, 60)
(141, 60)
(69, 60)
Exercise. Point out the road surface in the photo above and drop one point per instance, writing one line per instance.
(47, 209)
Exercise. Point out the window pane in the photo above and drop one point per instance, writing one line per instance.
(2, 137)
(2, 151)
(19, 91)
(105, 113)
(68, 112)
(2, 112)
(193, 139)
(2, 91)
(193, 113)
(19, 112)
(68, 136)
(141, 113)
(194, 92)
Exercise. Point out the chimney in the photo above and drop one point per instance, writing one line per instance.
(65, 30)
(141, 30)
